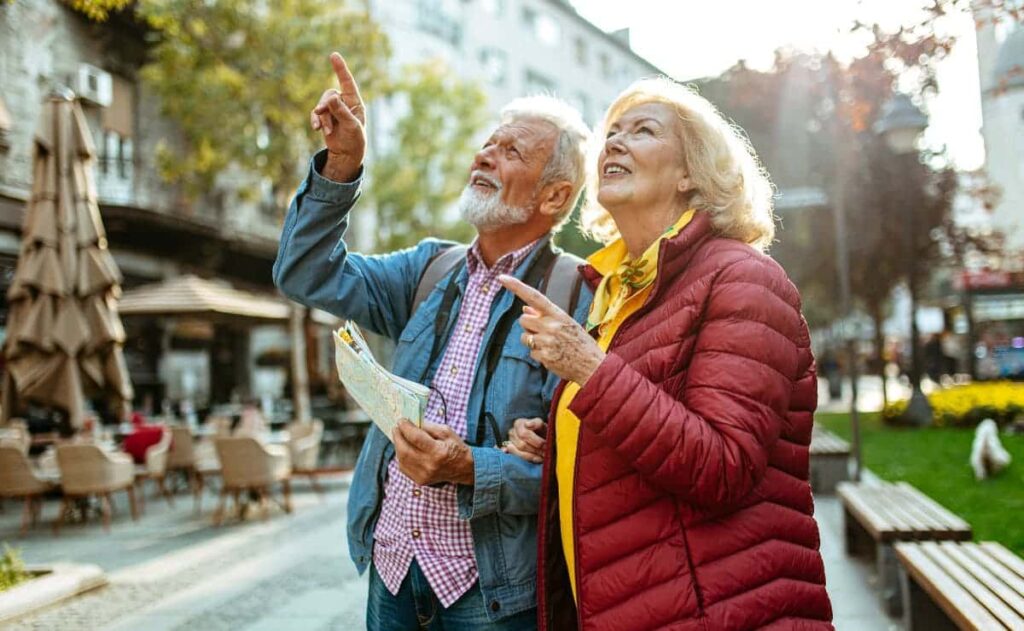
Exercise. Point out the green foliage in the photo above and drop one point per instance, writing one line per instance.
(418, 176)
(936, 460)
(12, 569)
(98, 10)
(571, 238)
(239, 79)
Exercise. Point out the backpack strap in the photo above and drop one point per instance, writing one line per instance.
(563, 282)
(437, 268)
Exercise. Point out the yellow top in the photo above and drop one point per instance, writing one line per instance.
(623, 290)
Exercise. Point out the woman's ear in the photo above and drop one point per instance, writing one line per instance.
(685, 185)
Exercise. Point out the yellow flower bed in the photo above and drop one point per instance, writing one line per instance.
(968, 405)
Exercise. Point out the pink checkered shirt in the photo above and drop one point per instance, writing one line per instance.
(422, 521)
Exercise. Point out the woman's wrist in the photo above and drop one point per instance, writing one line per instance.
(589, 366)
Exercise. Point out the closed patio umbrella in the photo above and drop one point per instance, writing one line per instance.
(64, 336)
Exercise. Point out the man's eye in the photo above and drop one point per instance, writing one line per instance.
(514, 152)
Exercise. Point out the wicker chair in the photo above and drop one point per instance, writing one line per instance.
(155, 469)
(87, 470)
(17, 480)
(249, 465)
(17, 435)
(304, 444)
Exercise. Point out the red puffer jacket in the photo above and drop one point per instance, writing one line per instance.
(692, 503)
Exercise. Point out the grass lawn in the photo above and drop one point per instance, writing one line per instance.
(936, 460)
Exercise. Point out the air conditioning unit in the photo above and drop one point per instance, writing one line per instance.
(94, 85)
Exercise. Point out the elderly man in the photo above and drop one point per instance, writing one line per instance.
(444, 518)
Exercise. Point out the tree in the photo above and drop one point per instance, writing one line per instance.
(418, 176)
(238, 78)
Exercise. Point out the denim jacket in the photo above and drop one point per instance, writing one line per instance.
(315, 268)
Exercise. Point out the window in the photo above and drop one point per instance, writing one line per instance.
(581, 101)
(529, 19)
(441, 18)
(537, 83)
(494, 7)
(606, 65)
(543, 26)
(495, 65)
(580, 48)
(548, 31)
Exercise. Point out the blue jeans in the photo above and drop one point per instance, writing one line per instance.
(416, 607)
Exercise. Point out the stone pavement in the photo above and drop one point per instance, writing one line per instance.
(172, 571)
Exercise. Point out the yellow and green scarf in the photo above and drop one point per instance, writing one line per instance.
(624, 277)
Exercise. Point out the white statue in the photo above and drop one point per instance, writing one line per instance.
(988, 457)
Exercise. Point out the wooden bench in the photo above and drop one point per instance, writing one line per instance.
(830, 460)
(878, 515)
(977, 586)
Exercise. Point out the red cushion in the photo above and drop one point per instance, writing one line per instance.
(140, 440)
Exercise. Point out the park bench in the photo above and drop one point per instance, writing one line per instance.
(947, 585)
(830, 460)
(877, 515)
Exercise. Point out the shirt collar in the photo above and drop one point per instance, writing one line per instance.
(504, 265)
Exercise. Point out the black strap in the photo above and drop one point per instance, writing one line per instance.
(442, 321)
(438, 267)
(535, 276)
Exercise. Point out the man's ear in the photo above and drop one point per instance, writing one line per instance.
(554, 197)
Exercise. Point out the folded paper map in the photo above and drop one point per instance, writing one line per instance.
(386, 398)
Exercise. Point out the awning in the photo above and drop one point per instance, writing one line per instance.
(193, 296)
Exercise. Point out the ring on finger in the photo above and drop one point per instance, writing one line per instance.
(529, 341)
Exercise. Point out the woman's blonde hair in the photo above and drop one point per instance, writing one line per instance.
(728, 180)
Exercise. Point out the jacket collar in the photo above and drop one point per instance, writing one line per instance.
(675, 253)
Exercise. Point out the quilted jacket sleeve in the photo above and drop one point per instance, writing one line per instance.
(709, 442)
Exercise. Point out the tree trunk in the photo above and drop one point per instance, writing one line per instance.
(876, 317)
(300, 374)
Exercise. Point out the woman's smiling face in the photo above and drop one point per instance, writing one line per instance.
(641, 164)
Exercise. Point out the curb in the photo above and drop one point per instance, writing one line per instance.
(62, 580)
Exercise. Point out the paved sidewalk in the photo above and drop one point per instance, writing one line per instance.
(855, 606)
(174, 572)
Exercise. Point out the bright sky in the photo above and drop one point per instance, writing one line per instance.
(690, 39)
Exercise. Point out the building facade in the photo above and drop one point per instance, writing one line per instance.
(1001, 71)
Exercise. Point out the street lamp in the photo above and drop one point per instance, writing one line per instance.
(901, 124)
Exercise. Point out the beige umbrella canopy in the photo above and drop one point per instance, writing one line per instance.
(64, 334)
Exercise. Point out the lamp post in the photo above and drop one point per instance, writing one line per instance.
(901, 124)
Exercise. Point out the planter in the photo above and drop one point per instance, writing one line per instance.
(51, 585)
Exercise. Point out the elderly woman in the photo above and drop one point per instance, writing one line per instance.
(676, 487)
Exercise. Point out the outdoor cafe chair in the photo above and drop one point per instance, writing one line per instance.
(246, 464)
(155, 468)
(304, 443)
(182, 459)
(87, 470)
(18, 480)
(16, 435)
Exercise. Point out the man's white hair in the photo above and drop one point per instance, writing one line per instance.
(568, 160)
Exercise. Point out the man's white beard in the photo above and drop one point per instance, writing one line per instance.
(488, 212)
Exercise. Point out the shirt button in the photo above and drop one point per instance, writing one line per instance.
(455, 369)
(416, 533)
(416, 492)
(484, 288)
(467, 328)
